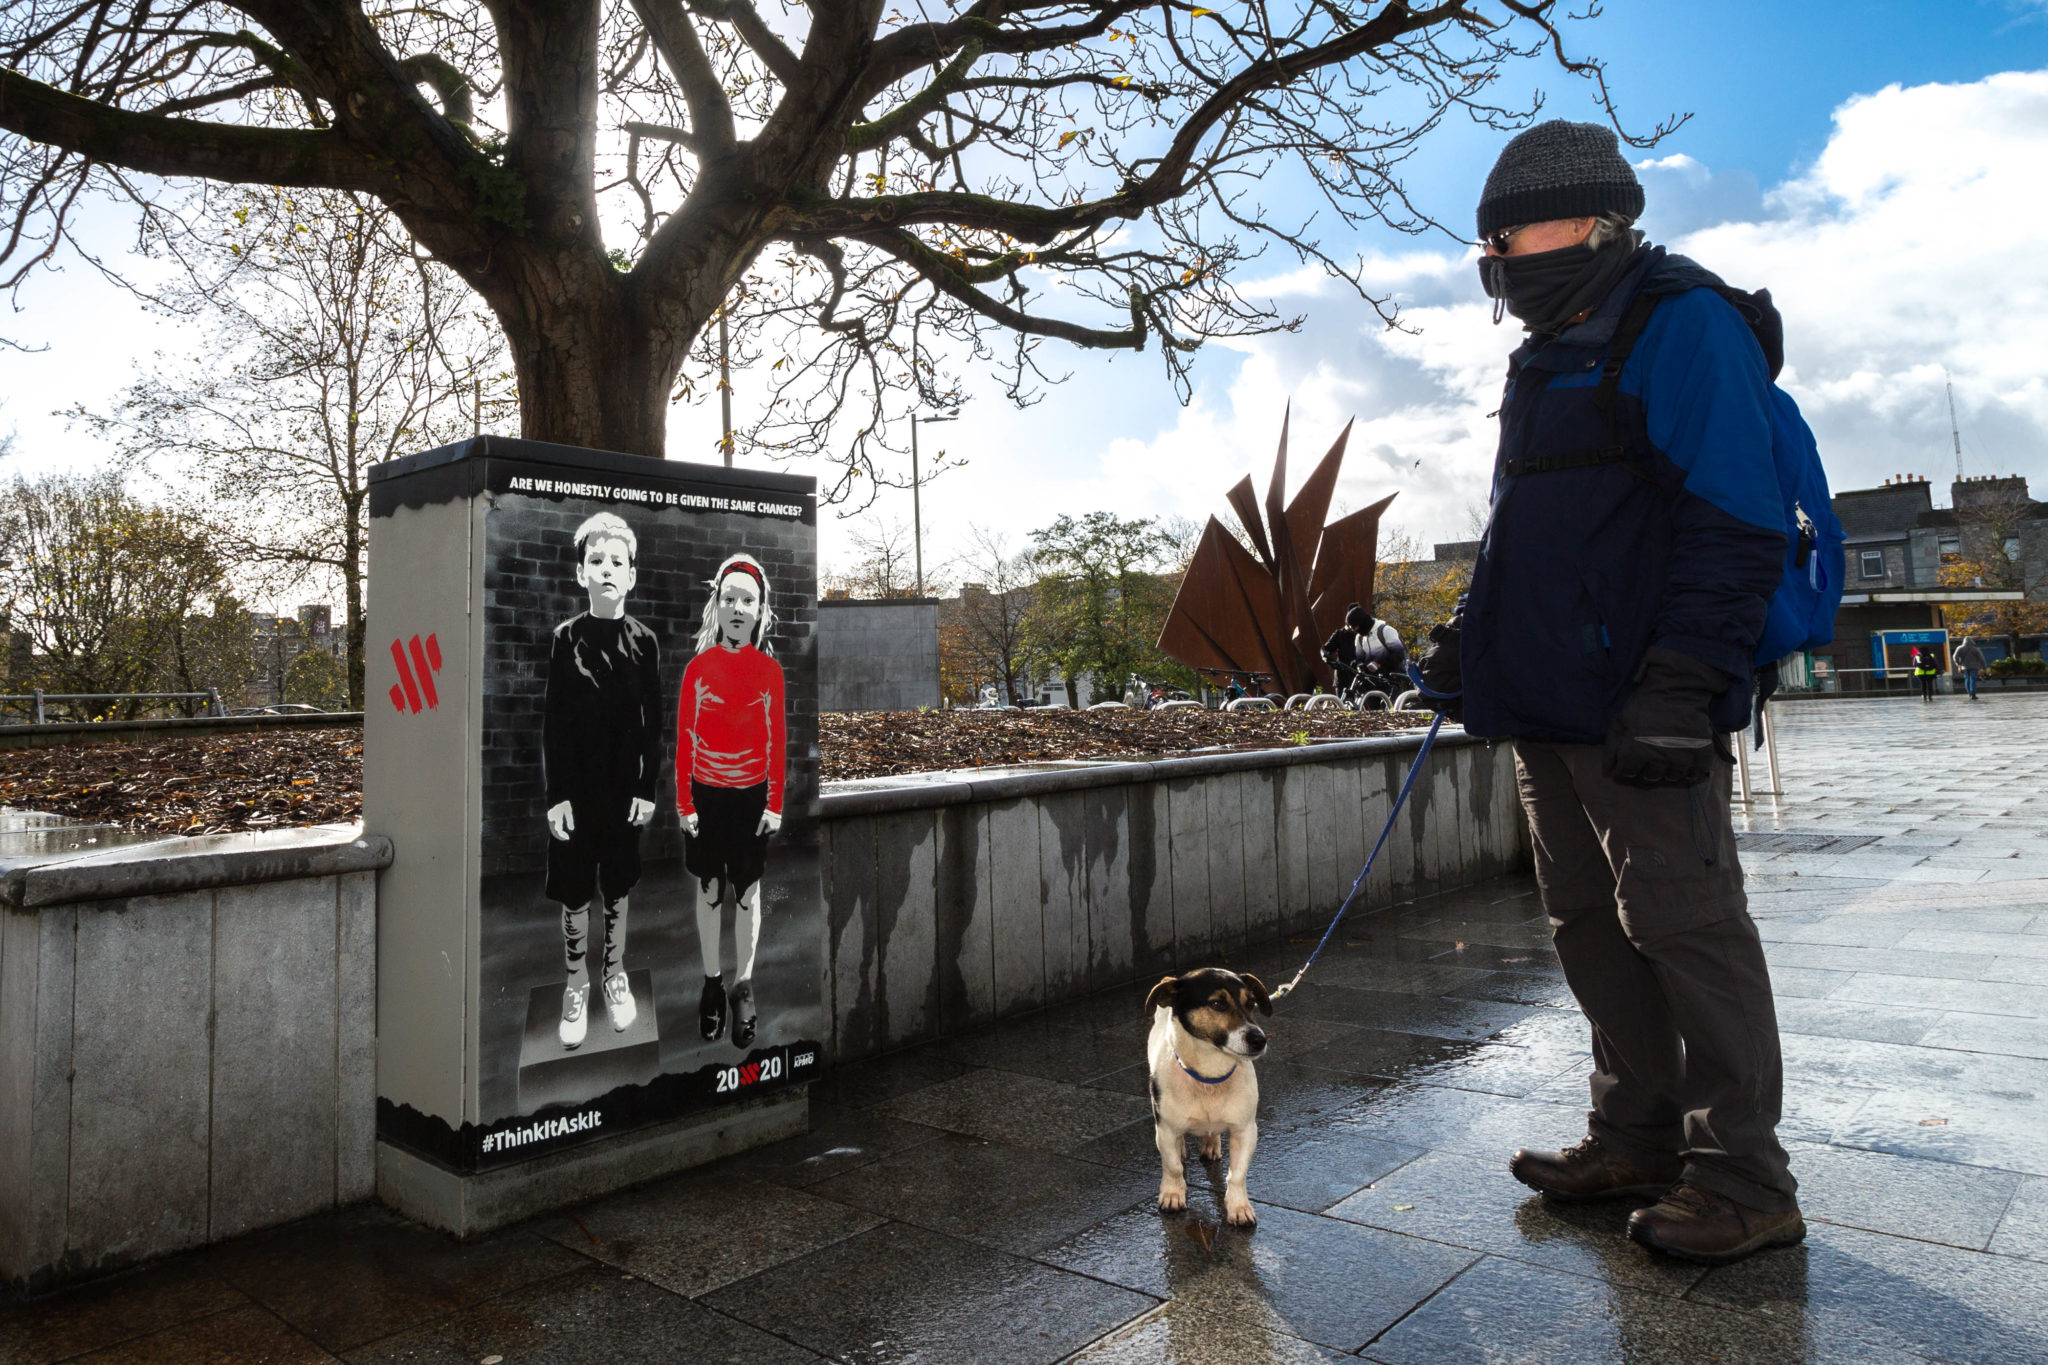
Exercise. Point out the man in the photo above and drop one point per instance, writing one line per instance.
(1970, 662)
(1614, 611)
(1364, 645)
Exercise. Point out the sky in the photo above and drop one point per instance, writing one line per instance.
(1876, 164)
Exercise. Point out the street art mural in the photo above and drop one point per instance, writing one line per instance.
(1262, 613)
(636, 699)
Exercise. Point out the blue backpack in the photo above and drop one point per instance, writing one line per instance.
(1802, 612)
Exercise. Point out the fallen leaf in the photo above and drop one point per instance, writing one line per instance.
(1934, 1123)
(1203, 1233)
(1404, 1208)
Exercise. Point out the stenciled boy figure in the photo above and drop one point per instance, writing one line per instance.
(601, 743)
(729, 779)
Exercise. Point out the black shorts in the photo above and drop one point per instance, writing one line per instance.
(602, 851)
(725, 846)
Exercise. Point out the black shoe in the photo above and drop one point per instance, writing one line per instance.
(743, 1014)
(711, 1008)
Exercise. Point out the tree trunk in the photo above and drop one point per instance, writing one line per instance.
(587, 377)
(352, 592)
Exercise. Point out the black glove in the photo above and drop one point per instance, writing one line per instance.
(1661, 736)
(1441, 670)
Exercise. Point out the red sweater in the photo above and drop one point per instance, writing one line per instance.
(729, 728)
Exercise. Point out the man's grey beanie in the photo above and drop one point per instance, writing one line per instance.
(1559, 170)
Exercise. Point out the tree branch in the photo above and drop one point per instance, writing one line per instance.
(158, 145)
(675, 38)
(773, 52)
(945, 275)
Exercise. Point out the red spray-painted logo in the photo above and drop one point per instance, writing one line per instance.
(414, 690)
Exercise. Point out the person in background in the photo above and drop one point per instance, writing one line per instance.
(1969, 661)
(1925, 669)
(1364, 645)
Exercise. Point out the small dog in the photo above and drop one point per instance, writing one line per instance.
(1201, 1048)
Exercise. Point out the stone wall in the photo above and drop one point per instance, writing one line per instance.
(187, 1042)
(878, 656)
(953, 903)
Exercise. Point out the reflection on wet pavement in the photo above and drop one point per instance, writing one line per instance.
(989, 1197)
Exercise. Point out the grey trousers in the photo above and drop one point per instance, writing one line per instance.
(1645, 900)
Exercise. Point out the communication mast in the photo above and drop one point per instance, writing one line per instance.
(1955, 433)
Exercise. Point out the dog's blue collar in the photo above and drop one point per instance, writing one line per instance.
(1205, 1080)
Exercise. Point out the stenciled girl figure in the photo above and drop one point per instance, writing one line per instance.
(729, 774)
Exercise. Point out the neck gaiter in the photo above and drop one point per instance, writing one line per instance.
(1547, 289)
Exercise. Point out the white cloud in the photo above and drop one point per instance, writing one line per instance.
(1910, 248)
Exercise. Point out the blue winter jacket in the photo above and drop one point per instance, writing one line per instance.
(1582, 570)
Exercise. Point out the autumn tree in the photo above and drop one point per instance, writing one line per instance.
(1994, 530)
(1414, 593)
(914, 186)
(104, 588)
(322, 344)
(982, 635)
(1100, 599)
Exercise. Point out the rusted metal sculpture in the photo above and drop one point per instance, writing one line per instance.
(1265, 616)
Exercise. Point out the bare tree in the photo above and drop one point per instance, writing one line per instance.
(983, 633)
(327, 346)
(916, 185)
(886, 567)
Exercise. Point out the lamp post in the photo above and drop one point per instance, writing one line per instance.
(916, 501)
(724, 389)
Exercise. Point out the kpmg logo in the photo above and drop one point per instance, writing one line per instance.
(414, 690)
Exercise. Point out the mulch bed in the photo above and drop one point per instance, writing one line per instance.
(224, 784)
(281, 778)
(883, 744)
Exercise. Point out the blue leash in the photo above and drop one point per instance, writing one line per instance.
(1407, 785)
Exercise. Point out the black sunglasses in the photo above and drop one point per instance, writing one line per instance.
(1497, 242)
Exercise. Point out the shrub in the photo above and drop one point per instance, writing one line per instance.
(2022, 666)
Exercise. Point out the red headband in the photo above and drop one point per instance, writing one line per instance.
(750, 571)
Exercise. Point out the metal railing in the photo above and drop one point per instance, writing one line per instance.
(211, 696)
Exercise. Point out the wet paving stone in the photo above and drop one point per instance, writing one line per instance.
(1494, 1068)
(1333, 1283)
(1934, 1201)
(878, 1080)
(1990, 1033)
(1015, 1199)
(1519, 961)
(2023, 1231)
(240, 1334)
(1846, 1285)
(839, 1141)
(1520, 988)
(696, 1234)
(1036, 1046)
(906, 1294)
(1504, 1311)
(112, 1311)
(1806, 983)
(1871, 1023)
(363, 1273)
(1011, 1107)
(593, 1315)
(1377, 973)
(1430, 1016)
(1489, 1127)
(1188, 1333)
(2003, 1131)
(1477, 1204)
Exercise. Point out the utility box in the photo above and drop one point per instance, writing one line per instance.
(591, 734)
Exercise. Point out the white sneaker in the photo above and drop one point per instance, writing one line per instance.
(575, 1018)
(618, 1002)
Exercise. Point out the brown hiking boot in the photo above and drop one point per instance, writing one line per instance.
(1588, 1171)
(1698, 1225)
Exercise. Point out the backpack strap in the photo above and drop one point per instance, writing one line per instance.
(1605, 398)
